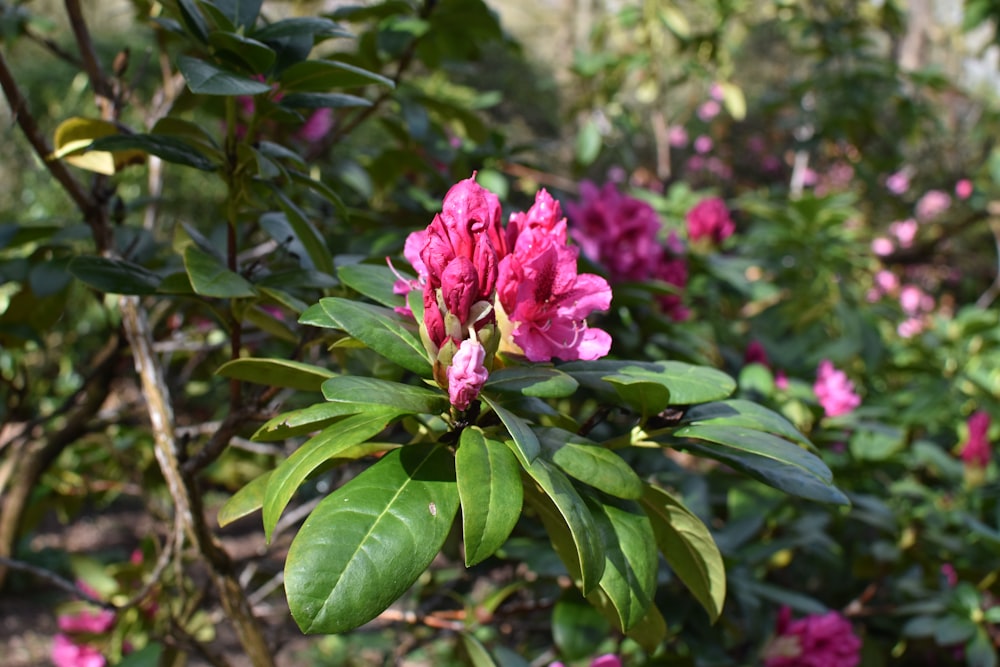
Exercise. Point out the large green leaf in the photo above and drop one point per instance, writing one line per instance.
(739, 412)
(630, 561)
(276, 373)
(324, 75)
(540, 381)
(306, 233)
(366, 544)
(568, 521)
(210, 278)
(367, 394)
(642, 396)
(116, 276)
(168, 148)
(204, 78)
(524, 438)
(766, 457)
(257, 56)
(302, 421)
(242, 13)
(323, 101)
(286, 479)
(688, 547)
(687, 383)
(381, 329)
(489, 484)
(588, 462)
(248, 499)
(373, 281)
(578, 629)
(295, 26)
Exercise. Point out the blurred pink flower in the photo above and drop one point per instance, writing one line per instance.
(950, 574)
(677, 136)
(467, 374)
(932, 204)
(716, 92)
(703, 144)
(976, 450)
(709, 219)
(317, 126)
(899, 182)
(695, 163)
(781, 380)
(904, 231)
(719, 168)
(886, 281)
(756, 354)
(963, 189)
(608, 660)
(708, 110)
(67, 653)
(817, 640)
(882, 246)
(94, 621)
(910, 327)
(914, 300)
(834, 391)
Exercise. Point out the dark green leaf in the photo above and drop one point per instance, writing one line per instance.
(193, 19)
(524, 439)
(642, 396)
(738, 412)
(688, 546)
(205, 78)
(381, 329)
(116, 276)
(210, 278)
(590, 463)
(297, 26)
(766, 457)
(325, 75)
(367, 394)
(306, 233)
(257, 56)
(687, 383)
(328, 444)
(243, 13)
(165, 147)
(276, 373)
(540, 381)
(305, 420)
(981, 651)
(578, 629)
(367, 543)
(373, 281)
(323, 101)
(489, 484)
(248, 499)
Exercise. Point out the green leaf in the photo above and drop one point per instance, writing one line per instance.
(630, 561)
(876, 442)
(367, 543)
(540, 381)
(478, 655)
(767, 458)
(367, 394)
(305, 420)
(115, 276)
(276, 373)
(650, 631)
(296, 26)
(327, 444)
(257, 56)
(373, 281)
(489, 485)
(210, 278)
(588, 462)
(980, 651)
(739, 412)
(168, 148)
(242, 13)
(248, 499)
(568, 521)
(323, 101)
(324, 75)
(381, 329)
(687, 383)
(147, 656)
(524, 439)
(204, 78)
(689, 548)
(642, 396)
(305, 232)
(578, 629)
(193, 19)
(588, 143)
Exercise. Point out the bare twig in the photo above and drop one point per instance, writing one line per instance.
(56, 580)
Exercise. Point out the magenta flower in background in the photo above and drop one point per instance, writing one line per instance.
(904, 231)
(882, 246)
(716, 92)
(607, 660)
(710, 219)
(899, 182)
(932, 204)
(756, 354)
(677, 136)
(817, 640)
(703, 144)
(67, 653)
(94, 622)
(963, 189)
(708, 110)
(950, 574)
(910, 327)
(834, 391)
(976, 451)
(317, 126)
(467, 373)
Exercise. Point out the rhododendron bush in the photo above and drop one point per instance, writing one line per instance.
(451, 332)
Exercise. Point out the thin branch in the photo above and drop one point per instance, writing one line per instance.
(91, 65)
(54, 48)
(56, 580)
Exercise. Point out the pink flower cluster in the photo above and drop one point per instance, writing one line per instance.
(621, 233)
(607, 660)
(834, 391)
(976, 451)
(709, 219)
(486, 288)
(817, 640)
(67, 651)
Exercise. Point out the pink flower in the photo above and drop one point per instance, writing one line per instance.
(882, 246)
(899, 182)
(910, 327)
(703, 144)
(467, 374)
(317, 126)
(67, 653)
(617, 231)
(886, 281)
(904, 231)
(756, 354)
(93, 622)
(708, 110)
(677, 136)
(673, 271)
(607, 660)
(976, 451)
(817, 640)
(710, 219)
(963, 189)
(781, 380)
(950, 574)
(716, 92)
(834, 391)
(914, 300)
(932, 204)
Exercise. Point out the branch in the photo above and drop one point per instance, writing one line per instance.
(91, 65)
(56, 580)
